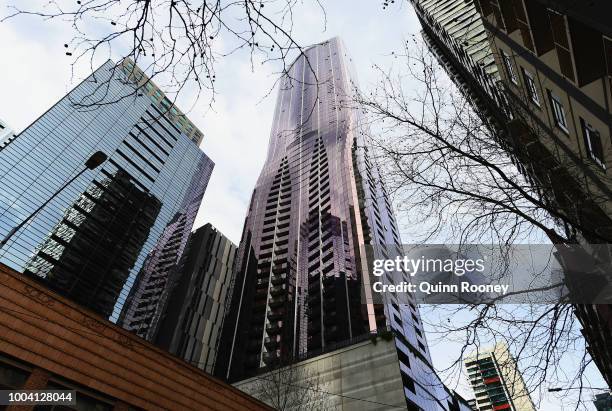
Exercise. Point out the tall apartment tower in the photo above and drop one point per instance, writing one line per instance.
(553, 73)
(302, 287)
(497, 382)
(90, 242)
(190, 325)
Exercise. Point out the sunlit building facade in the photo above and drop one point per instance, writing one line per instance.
(91, 240)
(497, 381)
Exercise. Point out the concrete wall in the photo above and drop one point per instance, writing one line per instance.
(364, 376)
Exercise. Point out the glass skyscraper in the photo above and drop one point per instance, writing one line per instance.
(92, 240)
(302, 272)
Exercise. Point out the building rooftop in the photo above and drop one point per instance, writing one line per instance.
(159, 98)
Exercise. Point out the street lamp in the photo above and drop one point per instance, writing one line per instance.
(92, 163)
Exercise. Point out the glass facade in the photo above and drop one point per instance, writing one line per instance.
(302, 276)
(92, 239)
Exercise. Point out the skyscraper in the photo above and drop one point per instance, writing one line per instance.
(302, 272)
(191, 320)
(497, 381)
(92, 239)
(6, 133)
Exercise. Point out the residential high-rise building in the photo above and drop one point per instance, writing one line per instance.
(497, 381)
(553, 73)
(191, 320)
(92, 239)
(555, 58)
(318, 216)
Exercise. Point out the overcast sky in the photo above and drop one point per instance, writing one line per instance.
(35, 73)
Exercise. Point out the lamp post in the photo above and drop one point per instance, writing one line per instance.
(92, 163)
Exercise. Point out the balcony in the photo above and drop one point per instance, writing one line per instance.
(259, 306)
(278, 290)
(279, 279)
(261, 293)
(271, 357)
(276, 302)
(279, 268)
(272, 343)
(276, 315)
(329, 303)
(274, 328)
(262, 283)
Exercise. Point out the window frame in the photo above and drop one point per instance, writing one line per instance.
(507, 60)
(589, 131)
(532, 88)
(558, 108)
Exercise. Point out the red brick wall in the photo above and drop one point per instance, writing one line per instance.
(59, 337)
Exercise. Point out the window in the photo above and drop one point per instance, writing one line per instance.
(592, 142)
(532, 90)
(498, 14)
(407, 381)
(558, 27)
(403, 357)
(558, 111)
(509, 67)
(523, 23)
(12, 377)
(608, 54)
